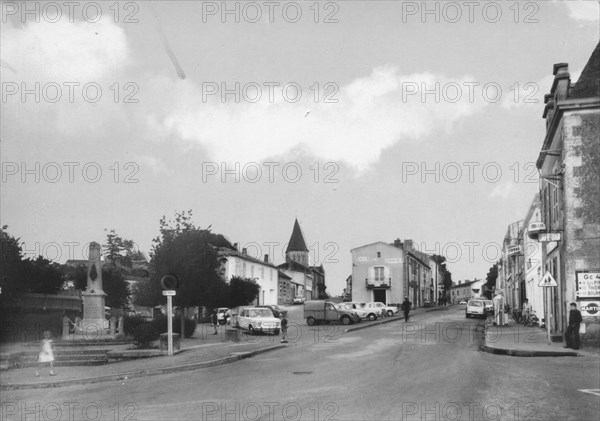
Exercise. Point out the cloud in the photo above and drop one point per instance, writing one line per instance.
(372, 113)
(501, 191)
(64, 51)
(156, 165)
(586, 10)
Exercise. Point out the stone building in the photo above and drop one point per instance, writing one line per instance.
(569, 163)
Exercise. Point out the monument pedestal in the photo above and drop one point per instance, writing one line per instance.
(94, 323)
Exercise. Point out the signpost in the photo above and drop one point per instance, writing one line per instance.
(169, 294)
(548, 281)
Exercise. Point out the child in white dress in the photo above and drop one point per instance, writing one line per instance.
(46, 354)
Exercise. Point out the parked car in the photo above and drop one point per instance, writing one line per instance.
(462, 302)
(299, 299)
(257, 320)
(223, 315)
(489, 306)
(356, 308)
(475, 308)
(384, 310)
(316, 312)
(278, 311)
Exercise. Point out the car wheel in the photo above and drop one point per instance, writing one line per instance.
(467, 315)
(346, 320)
(372, 317)
(310, 321)
(251, 330)
(390, 313)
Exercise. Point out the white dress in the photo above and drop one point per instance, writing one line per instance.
(46, 355)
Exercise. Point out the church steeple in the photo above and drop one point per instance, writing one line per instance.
(296, 250)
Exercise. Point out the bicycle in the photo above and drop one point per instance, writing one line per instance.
(517, 315)
(531, 320)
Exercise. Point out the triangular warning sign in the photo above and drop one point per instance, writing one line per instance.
(548, 281)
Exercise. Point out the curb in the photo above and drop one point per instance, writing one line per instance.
(388, 320)
(526, 353)
(141, 373)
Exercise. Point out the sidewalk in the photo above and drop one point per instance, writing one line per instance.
(204, 350)
(521, 341)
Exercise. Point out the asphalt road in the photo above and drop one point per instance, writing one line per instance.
(429, 369)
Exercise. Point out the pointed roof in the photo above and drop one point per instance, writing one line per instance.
(296, 240)
(588, 84)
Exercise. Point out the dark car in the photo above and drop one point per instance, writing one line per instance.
(277, 310)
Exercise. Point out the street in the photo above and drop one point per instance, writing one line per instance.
(427, 369)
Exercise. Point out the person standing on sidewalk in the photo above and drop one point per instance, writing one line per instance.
(572, 333)
(284, 326)
(215, 320)
(46, 354)
(406, 306)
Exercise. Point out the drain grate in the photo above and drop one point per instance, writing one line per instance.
(302, 372)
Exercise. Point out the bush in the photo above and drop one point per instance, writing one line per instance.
(144, 335)
(132, 323)
(160, 324)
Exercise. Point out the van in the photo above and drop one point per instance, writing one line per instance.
(316, 312)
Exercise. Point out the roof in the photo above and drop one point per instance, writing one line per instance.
(372, 244)
(227, 252)
(297, 242)
(283, 275)
(294, 266)
(588, 84)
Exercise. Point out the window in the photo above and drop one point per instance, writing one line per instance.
(378, 254)
(379, 277)
(252, 271)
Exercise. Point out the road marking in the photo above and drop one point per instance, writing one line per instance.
(591, 391)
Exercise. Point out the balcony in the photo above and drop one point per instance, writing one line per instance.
(378, 283)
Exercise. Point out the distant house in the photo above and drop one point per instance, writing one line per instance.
(240, 264)
(466, 290)
(286, 292)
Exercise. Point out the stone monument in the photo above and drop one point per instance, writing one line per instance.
(93, 297)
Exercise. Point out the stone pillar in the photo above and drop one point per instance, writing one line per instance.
(93, 296)
(65, 328)
(113, 326)
(120, 326)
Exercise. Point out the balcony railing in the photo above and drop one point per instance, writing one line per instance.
(378, 283)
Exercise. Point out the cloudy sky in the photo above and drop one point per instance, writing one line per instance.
(367, 121)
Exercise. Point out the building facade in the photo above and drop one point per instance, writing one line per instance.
(532, 258)
(570, 197)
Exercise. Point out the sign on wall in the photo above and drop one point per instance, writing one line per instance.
(590, 309)
(587, 284)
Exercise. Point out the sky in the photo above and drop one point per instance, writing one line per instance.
(366, 121)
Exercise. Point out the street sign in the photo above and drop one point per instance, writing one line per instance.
(512, 250)
(548, 237)
(169, 293)
(548, 281)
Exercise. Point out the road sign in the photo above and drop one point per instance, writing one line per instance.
(548, 281)
(548, 237)
(169, 293)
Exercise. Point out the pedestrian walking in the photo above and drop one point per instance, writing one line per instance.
(46, 354)
(214, 319)
(572, 332)
(284, 326)
(406, 306)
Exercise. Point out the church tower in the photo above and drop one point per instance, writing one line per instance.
(296, 250)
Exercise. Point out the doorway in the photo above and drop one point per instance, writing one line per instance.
(379, 296)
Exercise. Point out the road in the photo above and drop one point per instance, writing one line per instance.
(429, 369)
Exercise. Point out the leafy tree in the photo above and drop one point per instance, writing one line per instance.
(490, 284)
(20, 276)
(243, 291)
(119, 251)
(446, 274)
(192, 254)
(322, 290)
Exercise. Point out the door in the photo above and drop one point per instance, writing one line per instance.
(331, 313)
(379, 295)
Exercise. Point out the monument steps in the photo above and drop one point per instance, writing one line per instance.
(68, 357)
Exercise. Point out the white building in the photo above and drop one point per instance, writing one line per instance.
(532, 256)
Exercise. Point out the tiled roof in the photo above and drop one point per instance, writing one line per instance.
(223, 251)
(297, 242)
(588, 84)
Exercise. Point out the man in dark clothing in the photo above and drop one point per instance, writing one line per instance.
(572, 333)
(215, 320)
(406, 305)
(284, 326)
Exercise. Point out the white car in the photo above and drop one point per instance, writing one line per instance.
(356, 308)
(299, 299)
(475, 308)
(223, 315)
(384, 310)
(257, 320)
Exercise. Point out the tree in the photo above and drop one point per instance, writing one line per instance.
(242, 291)
(192, 254)
(490, 284)
(20, 276)
(322, 290)
(446, 274)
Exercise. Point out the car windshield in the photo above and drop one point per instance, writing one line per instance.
(263, 312)
(476, 303)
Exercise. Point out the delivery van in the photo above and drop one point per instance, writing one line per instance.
(316, 312)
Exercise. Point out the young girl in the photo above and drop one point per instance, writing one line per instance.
(46, 354)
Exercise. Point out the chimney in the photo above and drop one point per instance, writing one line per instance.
(266, 258)
(408, 244)
(235, 246)
(562, 79)
(244, 251)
